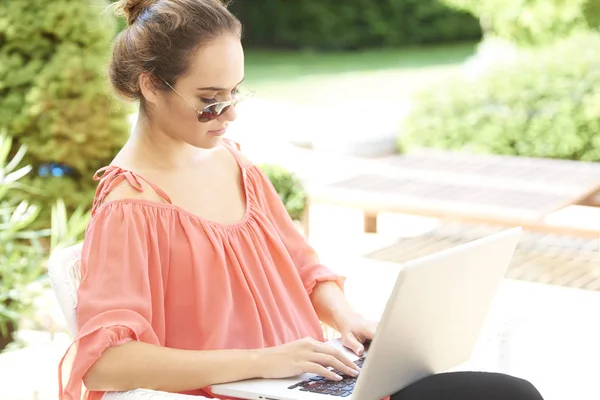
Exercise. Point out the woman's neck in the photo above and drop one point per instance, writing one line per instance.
(148, 145)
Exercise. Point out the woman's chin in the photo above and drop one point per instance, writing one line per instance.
(207, 142)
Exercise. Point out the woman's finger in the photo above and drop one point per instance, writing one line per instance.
(370, 330)
(327, 360)
(350, 341)
(318, 369)
(338, 354)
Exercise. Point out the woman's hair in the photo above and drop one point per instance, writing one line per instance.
(162, 39)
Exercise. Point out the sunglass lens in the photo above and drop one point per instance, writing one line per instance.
(211, 112)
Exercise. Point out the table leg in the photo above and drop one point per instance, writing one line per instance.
(370, 225)
(305, 220)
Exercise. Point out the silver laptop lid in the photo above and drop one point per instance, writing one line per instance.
(435, 313)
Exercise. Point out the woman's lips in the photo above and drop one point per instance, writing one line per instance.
(219, 132)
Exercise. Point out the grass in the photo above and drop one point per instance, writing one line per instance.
(364, 76)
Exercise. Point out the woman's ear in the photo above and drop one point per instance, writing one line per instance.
(148, 88)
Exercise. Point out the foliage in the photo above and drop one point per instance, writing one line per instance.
(67, 229)
(54, 94)
(353, 24)
(539, 106)
(20, 249)
(23, 249)
(289, 187)
(533, 22)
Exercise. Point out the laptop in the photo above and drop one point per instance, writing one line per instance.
(431, 324)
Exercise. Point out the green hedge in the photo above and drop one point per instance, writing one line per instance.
(352, 24)
(546, 104)
(54, 94)
(533, 22)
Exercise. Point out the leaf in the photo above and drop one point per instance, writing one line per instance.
(4, 327)
(3, 190)
(7, 313)
(66, 230)
(16, 159)
(18, 174)
(32, 235)
(5, 145)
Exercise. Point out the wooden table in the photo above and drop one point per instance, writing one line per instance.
(456, 186)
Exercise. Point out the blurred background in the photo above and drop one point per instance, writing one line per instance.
(397, 127)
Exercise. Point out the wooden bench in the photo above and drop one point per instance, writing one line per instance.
(470, 188)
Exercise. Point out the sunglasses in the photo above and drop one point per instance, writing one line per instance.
(214, 110)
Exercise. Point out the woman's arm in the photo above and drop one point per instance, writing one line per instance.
(142, 365)
(331, 305)
(322, 285)
(333, 309)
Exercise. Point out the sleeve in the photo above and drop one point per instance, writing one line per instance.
(304, 256)
(118, 287)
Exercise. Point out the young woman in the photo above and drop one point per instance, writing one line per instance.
(193, 273)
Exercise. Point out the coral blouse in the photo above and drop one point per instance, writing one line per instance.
(156, 273)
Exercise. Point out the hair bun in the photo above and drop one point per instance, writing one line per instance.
(131, 9)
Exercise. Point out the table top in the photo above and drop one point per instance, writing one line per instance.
(458, 183)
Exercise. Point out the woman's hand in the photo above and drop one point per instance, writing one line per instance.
(305, 355)
(356, 331)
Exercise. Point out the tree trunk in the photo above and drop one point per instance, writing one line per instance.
(6, 340)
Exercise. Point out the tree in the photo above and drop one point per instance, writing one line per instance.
(532, 22)
(54, 93)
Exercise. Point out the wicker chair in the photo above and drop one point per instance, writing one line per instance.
(65, 275)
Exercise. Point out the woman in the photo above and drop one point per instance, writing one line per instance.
(193, 272)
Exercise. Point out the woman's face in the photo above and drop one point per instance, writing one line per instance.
(215, 75)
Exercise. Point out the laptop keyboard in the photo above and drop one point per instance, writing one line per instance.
(321, 385)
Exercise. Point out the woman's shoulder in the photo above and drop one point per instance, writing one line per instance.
(140, 189)
(121, 185)
(234, 148)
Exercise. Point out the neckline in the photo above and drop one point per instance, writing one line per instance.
(169, 205)
(181, 210)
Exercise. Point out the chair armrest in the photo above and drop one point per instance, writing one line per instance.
(143, 394)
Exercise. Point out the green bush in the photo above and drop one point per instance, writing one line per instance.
(289, 187)
(54, 94)
(20, 248)
(532, 22)
(24, 249)
(353, 24)
(545, 104)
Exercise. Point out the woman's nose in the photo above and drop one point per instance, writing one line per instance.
(230, 114)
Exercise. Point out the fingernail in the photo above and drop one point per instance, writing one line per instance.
(359, 351)
(338, 378)
(355, 372)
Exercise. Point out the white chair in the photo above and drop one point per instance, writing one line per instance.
(65, 275)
